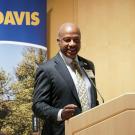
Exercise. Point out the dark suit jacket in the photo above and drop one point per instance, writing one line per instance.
(54, 88)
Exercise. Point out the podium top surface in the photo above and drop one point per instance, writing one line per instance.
(102, 112)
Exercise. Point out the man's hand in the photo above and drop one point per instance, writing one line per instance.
(68, 111)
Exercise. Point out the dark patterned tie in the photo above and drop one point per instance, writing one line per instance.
(81, 86)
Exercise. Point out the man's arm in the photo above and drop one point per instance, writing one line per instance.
(42, 96)
(42, 99)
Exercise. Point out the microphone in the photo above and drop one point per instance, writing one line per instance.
(97, 90)
(91, 75)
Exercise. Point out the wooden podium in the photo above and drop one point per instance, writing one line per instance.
(116, 117)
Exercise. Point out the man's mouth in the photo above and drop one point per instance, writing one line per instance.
(72, 51)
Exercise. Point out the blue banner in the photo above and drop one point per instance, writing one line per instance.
(22, 49)
(23, 21)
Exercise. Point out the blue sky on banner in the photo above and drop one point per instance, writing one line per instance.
(23, 21)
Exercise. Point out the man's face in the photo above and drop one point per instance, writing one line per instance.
(70, 41)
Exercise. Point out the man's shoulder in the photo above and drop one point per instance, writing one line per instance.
(86, 64)
(48, 63)
(85, 60)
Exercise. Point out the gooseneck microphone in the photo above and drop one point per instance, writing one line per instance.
(97, 90)
(92, 82)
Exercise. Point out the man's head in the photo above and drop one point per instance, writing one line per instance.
(69, 39)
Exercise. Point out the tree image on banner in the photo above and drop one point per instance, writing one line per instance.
(16, 96)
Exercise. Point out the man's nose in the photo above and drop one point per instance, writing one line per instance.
(72, 42)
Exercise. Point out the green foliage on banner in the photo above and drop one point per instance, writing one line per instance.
(15, 112)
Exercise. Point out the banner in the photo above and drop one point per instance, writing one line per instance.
(22, 48)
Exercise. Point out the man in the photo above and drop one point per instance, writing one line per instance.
(57, 87)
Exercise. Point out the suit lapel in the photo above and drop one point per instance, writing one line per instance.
(62, 69)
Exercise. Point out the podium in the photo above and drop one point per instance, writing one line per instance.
(115, 117)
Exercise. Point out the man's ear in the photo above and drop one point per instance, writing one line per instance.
(58, 41)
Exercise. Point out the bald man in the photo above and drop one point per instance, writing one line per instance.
(56, 95)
